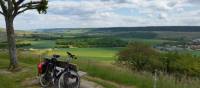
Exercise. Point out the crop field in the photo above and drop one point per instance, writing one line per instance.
(100, 54)
(41, 44)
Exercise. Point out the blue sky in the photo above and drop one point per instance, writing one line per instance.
(111, 13)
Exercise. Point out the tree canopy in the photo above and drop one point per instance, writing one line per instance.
(15, 7)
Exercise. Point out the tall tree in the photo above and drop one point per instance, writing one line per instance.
(10, 9)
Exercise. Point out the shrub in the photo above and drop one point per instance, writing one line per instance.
(141, 57)
(138, 56)
(23, 44)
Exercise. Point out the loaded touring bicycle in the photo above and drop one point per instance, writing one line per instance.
(58, 74)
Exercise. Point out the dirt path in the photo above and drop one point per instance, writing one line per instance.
(115, 85)
(30, 82)
(89, 84)
(34, 83)
(86, 83)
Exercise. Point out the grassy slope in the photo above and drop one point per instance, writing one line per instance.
(14, 80)
(124, 76)
(100, 67)
(29, 59)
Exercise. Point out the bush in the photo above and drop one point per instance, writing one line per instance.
(3, 45)
(138, 56)
(18, 45)
(141, 57)
(23, 45)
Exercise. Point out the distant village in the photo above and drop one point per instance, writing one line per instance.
(177, 46)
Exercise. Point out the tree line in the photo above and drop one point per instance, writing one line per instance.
(91, 42)
(4, 45)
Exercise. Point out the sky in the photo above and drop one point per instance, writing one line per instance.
(111, 13)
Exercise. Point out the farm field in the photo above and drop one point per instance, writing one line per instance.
(40, 44)
(100, 54)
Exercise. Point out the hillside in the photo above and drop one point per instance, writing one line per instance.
(2, 35)
(158, 32)
(125, 29)
(152, 28)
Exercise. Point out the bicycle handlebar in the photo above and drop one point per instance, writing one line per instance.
(71, 55)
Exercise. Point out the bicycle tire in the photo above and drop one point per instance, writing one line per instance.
(64, 80)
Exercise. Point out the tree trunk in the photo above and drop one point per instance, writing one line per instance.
(11, 43)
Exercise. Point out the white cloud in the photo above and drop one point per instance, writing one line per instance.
(109, 13)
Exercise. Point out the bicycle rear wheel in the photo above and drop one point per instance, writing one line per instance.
(45, 80)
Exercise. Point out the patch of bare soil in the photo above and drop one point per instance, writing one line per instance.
(31, 83)
(89, 84)
(109, 82)
(4, 71)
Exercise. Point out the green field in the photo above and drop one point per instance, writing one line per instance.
(196, 53)
(100, 54)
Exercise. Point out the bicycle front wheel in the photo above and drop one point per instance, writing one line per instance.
(69, 80)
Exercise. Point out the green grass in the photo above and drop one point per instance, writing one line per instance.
(15, 79)
(197, 53)
(94, 52)
(123, 76)
(29, 59)
(97, 62)
(114, 74)
(99, 54)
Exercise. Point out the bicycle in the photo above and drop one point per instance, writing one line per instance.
(54, 72)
